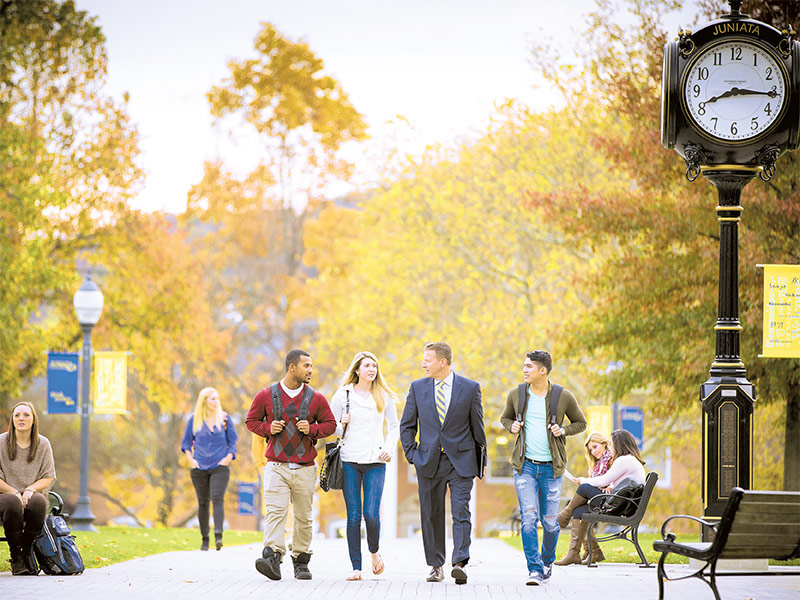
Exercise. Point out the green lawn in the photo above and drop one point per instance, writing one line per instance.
(617, 550)
(111, 545)
(620, 551)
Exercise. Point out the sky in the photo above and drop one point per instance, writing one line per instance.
(441, 64)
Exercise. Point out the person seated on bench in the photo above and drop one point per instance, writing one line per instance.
(27, 471)
(598, 455)
(626, 463)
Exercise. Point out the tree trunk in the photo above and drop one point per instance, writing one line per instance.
(791, 452)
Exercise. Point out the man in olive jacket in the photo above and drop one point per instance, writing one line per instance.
(540, 457)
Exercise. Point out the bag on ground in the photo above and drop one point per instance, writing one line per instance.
(55, 549)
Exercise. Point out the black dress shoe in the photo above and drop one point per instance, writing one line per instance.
(459, 573)
(436, 574)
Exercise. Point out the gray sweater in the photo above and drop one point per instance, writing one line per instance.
(20, 473)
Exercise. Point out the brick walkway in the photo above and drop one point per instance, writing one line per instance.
(497, 571)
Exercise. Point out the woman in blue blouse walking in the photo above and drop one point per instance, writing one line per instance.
(209, 441)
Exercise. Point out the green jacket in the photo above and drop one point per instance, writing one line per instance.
(567, 405)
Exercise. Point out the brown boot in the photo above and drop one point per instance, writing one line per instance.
(573, 556)
(597, 553)
(585, 554)
(565, 516)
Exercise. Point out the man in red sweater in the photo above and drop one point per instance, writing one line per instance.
(292, 417)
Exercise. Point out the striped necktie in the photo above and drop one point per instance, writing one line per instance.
(440, 407)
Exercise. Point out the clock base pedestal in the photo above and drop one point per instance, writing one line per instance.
(727, 396)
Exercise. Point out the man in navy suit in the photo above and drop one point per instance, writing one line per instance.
(445, 409)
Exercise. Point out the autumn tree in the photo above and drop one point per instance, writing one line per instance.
(443, 249)
(67, 170)
(655, 289)
(67, 167)
(250, 226)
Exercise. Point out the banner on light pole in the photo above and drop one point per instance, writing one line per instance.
(110, 384)
(781, 311)
(62, 383)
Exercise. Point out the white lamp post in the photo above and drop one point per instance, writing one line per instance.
(88, 302)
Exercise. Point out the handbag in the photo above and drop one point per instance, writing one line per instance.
(623, 500)
(331, 473)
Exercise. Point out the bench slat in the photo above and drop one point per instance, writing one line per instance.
(740, 527)
(774, 552)
(771, 496)
(776, 507)
(743, 540)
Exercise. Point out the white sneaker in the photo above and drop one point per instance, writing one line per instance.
(535, 578)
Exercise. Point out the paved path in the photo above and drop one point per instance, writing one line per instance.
(496, 572)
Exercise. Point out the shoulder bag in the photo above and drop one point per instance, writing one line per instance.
(331, 473)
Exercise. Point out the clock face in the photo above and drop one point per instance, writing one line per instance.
(735, 90)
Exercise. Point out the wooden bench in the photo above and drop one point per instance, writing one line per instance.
(630, 525)
(754, 524)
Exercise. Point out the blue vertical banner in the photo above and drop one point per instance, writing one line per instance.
(62, 383)
(631, 419)
(247, 492)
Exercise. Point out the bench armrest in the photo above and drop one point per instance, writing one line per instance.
(669, 536)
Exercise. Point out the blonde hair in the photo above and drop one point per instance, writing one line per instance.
(379, 389)
(597, 438)
(201, 410)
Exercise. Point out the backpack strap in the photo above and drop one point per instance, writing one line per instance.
(308, 394)
(522, 404)
(277, 406)
(554, 396)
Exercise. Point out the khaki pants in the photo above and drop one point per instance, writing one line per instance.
(283, 486)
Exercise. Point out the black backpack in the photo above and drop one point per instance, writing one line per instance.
(54, 548)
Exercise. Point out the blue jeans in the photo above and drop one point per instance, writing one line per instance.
(371, 477)
(538, 492)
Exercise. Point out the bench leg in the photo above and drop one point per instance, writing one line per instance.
(712, 583)
(661, 575)
(635, 540)
(590, 537)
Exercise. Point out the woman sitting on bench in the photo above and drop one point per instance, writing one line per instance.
(626, 463)
(598, 455)
(26, 473)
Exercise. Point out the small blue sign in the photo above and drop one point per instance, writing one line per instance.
(631, 419)
(62, 383)
(248, 493)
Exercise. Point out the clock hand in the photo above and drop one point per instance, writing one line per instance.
(731, 92)
(738, 92)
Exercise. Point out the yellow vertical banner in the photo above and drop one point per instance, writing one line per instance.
(781, 311)
(599, 419)
(110, 384)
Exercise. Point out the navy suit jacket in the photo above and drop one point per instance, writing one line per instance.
(459, 435)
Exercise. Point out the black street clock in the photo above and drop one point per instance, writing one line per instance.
(731, 94)
(730, 106)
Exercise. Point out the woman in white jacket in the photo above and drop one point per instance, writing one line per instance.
(363, 405)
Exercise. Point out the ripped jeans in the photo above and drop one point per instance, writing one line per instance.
(538, 493)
